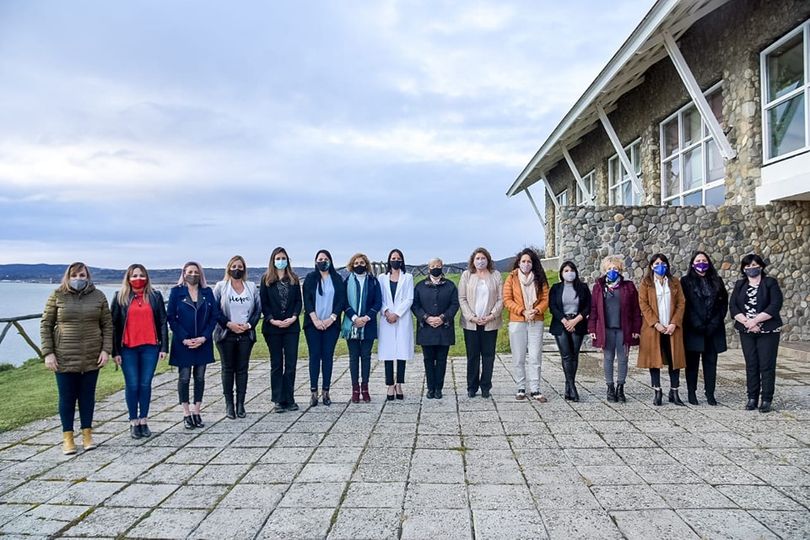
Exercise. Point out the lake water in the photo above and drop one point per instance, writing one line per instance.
(26, 299)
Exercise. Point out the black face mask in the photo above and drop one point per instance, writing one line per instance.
(359, 270)
(236, 274)
(192, 280)
(323, 266)
(435, 272)
(395, 265)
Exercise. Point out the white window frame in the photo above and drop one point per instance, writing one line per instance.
(590, 183)
(701, 142)
(562, 200)
(613, 163)
(803, 29)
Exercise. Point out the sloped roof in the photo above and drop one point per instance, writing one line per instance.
(624, 71)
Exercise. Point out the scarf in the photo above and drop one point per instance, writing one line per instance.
(358, 303)
(528, 289)
(611, 286)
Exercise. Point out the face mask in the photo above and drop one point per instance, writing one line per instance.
(137, 283)
(280, 264)
(480, 264)
(701, 267)
(569, 276)
(236, 273)
(192, 280)
(526, 267)
(77, 284)
(395, 265)
(323, 266)
(359, 270)
(612, 275)
(753, 272)
(435, 272)
(660, 269)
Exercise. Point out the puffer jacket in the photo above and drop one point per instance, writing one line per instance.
(76, 326)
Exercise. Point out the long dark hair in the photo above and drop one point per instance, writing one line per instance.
(540, 279)
(748, 259)
(648, 276)
(711, 275)
(388, 260)
(579, 285)
(332, 270)
(470, 263)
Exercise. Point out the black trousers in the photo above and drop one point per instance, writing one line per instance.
(709, 358)
(389, 372)
(73, 388)
(435, 358)
(666, 356)
(283, 361)
(184, 381)
(569, 345)
(360, 359)
(480, 345)
(759, 351)
(234, 354)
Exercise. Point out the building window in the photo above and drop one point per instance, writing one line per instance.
(562, 200)
(620, 189)
(692, 169)
(588, 180)
(785, 94)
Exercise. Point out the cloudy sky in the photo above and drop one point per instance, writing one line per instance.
(158, 132)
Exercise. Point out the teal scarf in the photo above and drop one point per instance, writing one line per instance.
(358, 303)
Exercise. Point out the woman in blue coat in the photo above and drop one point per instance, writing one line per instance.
(359, 329)
(192, 315)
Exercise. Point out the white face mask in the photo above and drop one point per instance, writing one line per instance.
(480, 264)
(526, 267)
(569, 276)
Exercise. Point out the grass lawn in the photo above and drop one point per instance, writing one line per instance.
(28, 393)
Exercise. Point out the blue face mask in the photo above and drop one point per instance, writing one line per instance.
(612, 275)
(660, 269)
(280, 264)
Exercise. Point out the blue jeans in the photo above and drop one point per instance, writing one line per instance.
(321, 345)
(138, 365)
(81, 388)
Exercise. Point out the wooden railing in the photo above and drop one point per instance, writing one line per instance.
(15, 322)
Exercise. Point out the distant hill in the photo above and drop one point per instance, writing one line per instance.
(52, 273)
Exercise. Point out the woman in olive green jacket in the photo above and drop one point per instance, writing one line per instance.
(77, 336)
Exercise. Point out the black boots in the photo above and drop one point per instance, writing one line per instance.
(611, 392)
(751, 405)
(659, 397)
(313, 401)
(710, 400)
(229, 410)
(765, 406)
(675, 398)
(240, 405)
(692, 397)
(620, 393)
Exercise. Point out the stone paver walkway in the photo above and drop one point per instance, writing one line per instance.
(453, 468)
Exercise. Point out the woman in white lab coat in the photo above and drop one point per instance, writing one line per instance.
(395, 339)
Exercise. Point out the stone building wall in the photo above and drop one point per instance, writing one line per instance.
(779, 232)
(723, 46)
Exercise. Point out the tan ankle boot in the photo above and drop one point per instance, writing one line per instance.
(87, 439)
(68, 445)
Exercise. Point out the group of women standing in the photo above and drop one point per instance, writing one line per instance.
(676, 324)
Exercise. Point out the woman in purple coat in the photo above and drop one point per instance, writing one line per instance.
(615, 322)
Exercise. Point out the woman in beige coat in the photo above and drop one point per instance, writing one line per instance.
(481, 301)
(662, 304)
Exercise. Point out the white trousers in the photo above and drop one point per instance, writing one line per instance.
(527, 337)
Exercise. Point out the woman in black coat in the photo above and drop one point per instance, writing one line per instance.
(435, 304)
(280, 293)
(755, 305)
(324, 301)
(570, 304)
(704, 330)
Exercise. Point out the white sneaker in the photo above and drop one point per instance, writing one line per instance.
(521, 395)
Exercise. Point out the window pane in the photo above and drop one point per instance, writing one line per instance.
(636, 159)
(691, 126)
(715, 167)
(616, 194)
(716, 196)
(627, 193)
(716, 105)
(785, 68)
(693, 169)
(671, 178)
(671, 137)
(673, 202)
(786, 126)
(693, 199)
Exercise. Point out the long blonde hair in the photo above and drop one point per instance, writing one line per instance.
(64, 285)
(126, 288)
(228, 267)
(271, 276)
